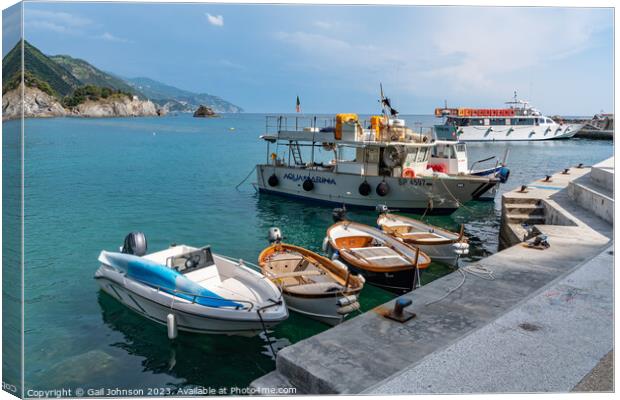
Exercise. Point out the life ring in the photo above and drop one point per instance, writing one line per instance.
(408, 173)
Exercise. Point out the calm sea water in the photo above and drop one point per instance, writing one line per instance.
(91, 181)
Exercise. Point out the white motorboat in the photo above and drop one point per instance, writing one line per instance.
(440, 244)
(375, 161)
(312, 285)
(518, 122)
(191, 289)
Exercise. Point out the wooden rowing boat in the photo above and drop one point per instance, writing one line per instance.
(440, 244)
(312, 284)
(383, 260)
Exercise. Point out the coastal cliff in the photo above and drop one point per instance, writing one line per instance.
(38, 104)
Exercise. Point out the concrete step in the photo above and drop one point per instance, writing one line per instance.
(530, 209)
(603, 175)
(519, 200)
(524, 218)
(593, 197)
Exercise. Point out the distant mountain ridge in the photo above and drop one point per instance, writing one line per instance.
(178, 100)
(61, 75)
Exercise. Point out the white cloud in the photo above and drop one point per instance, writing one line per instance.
(61, 22)
(216, 20)
(111, 38)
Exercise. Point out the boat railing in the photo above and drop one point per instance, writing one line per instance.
(483, 161)
(278, 123)
(194, 297)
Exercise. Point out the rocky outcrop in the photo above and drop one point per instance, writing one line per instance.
(36, 104)
(204, 112)
(124, 107)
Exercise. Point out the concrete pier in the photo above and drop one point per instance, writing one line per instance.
(540, 308)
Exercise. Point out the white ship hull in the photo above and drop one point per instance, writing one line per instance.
(516, 133)
(447, 192)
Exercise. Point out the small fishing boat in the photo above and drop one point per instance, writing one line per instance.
(440, 244)
(312, 285)
(383, 260)
(190, 289)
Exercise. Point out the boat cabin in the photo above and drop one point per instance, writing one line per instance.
(378, 146)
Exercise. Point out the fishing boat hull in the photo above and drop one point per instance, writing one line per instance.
(398, 282)
(323, 309)
(445, 193)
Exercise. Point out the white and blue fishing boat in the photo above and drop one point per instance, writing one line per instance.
(191, 289)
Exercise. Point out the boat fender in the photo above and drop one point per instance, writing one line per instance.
(503, 174)
(308, 185)
(364, 188)
(460, 245)
(461, 252)
(347, 300)
(273, 180)
(348, 309)
(171, 322)
(325, 244)
(335, 255)
(383, 189)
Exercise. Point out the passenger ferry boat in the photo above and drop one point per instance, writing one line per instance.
(518, 122)
(379, 161)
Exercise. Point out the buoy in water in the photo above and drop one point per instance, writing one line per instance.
(171, 322)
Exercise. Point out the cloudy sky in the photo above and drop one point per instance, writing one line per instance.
(262, 56)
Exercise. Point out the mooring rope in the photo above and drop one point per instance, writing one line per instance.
(245, 179)
(476, 270)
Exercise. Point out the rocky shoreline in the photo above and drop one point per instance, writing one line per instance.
(38, 104)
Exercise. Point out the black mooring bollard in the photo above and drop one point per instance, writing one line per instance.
(398, 313)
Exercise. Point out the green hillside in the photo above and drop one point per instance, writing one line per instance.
(90, 75)
(39, 67)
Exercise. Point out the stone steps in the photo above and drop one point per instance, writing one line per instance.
(594, 191)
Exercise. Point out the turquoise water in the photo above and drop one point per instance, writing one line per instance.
(91, 181)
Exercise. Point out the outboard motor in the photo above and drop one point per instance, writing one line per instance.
(382, 208)
(275, 235)
(134, 243)
(503, 174)
(339, 214)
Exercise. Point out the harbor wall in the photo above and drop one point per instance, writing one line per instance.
(369, 351)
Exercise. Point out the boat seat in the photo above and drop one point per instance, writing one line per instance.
(314, 288)
(397, 229)
(315, 272)
(380, 255)
(422, 235)
(349, 242)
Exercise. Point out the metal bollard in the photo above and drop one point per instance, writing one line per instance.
(398, 313)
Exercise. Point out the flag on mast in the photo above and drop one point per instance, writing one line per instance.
(298, 105)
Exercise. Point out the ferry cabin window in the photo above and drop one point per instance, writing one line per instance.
(523, 121)
(460, 148)
(498, 121)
